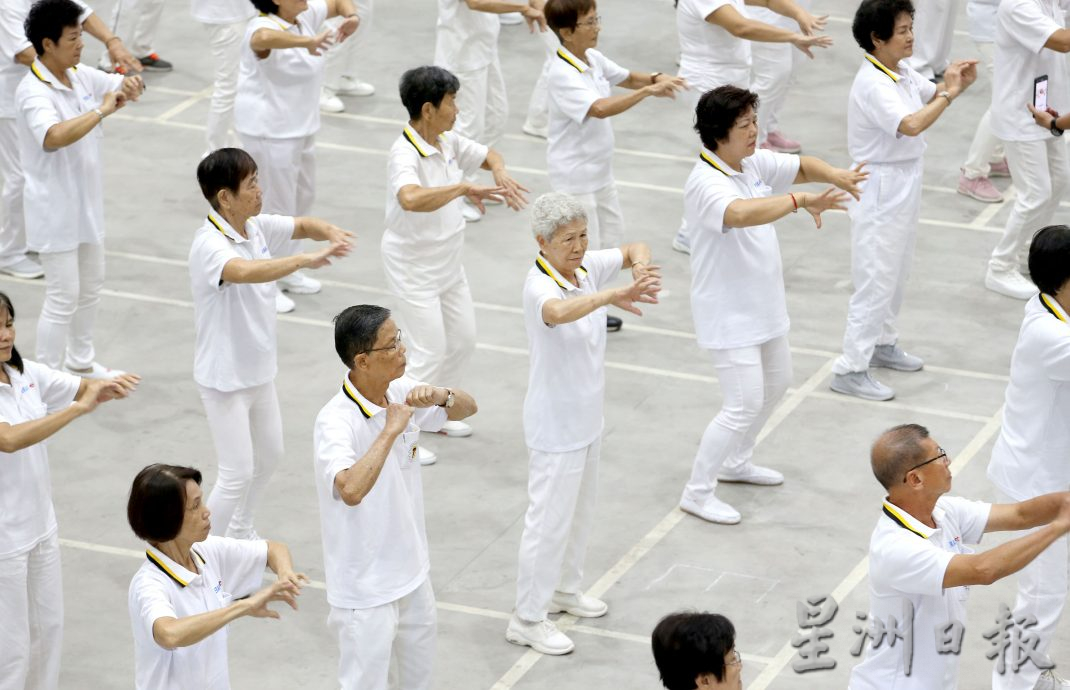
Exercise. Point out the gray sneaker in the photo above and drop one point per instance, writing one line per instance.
(894, 357)
(861, 385)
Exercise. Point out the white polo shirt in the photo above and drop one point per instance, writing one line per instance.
(579, 152)
(465, 39)
(374, 552)
(709, 55)
(1032, 454)
(222, 11)
(64, 196)
(27, 516)
(566, 379)
(1022, 28)
(235, 322)
(737, 279)
(907, 562)
(278, 97)
(880, 99)
(229, 569)
(422, 251)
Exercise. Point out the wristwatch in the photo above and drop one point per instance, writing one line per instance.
(1055, 130)
(449, 399)
(945, 94)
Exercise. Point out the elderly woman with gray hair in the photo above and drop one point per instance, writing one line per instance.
(565, 300)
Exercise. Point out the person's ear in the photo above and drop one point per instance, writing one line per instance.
(704, 680)
(224, 198)
(541, 241)
(427, 111)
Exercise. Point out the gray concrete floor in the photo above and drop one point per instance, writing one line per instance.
(807, 537)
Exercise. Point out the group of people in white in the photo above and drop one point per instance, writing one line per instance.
(278, 64)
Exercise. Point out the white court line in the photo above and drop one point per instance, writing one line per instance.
(839, 397)
(990, 210)
(185, 105)
(861, 570)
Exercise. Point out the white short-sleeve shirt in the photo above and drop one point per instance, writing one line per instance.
(222, 11)
(880, 99)
(27, 516)
(1032, 454)
(465, 39)
(422, 251)
(278, 97)
(64, 196)
(579, 151)
(1022, 29)
(737, 278)
(566, 380)
(709, 55)
(907, 562)
(235, 322)
(374, 552)
(229, 569)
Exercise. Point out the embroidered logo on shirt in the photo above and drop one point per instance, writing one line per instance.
(218, 587)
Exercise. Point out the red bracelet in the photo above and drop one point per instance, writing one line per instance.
(793, 202)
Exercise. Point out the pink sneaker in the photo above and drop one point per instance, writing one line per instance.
(980, 188)
(778, 142)
(1000, 169)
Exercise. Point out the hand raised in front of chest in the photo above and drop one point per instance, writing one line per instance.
(644, 290)
(397, 418)
(426, 396)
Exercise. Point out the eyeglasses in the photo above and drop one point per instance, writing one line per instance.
(392, 347)
(733, 659)
(593, 21)
(941, 456)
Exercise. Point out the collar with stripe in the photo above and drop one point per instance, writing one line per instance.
(564, 54)
(419, 143)
(45, 76)
(906, 520)
(220, 224)
(367, 408)
(283, 24)
(877, 63)
(1053, 307)
(714, 161)
(546, 269)
(176, 572)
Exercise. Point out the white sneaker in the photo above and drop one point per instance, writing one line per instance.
(579, 605)
(749, 473)
(511, 18)
(1010, 283)
(533, 131)
(456, 429)
(330, 102)
(470, 212)
(1049, 680)
(543, 636)
(96, 371)
(714, 510)
(283, 304)
(351, 86)
(24, 268)
(861, 385)
(894, 357)
(425, 457)
(298, 283)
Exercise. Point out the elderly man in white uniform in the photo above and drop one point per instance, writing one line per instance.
(1031, 41)
(565, 300)
(224, 22)
(1031, 453)
(920, 564)
(60, 107)
(343, 61)
(372, 506)
(891, 106)
(142, 19)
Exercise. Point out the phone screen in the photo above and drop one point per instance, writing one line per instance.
(1040, 93)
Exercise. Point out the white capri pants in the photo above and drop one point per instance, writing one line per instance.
(562, 492)
(73, 281)
(985, 147)
(246, 428)
(343, 59)
(753, 380)
(482, 106)
(387, 647)
(12, 220)
(287, 172)
(605, 220)
(225, 43)
(31, 611)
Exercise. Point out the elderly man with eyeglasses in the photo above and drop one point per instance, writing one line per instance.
(920, 567)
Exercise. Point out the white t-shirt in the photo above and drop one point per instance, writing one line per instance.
(880, 99)
(566, 381)
(1032, 454)
(374, 552)
(278, 97)
(422, 251)
(737, 279)
(709, 55)
(229, 569)
(235, 322)
(64, 196)
(907, 562)
(222, 11)
(465, 39)
(579, 151)
(27, 516)
(1022, 29)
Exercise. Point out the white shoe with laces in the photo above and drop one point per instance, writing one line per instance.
(894, 357)
(579, 605)
(542, 636)
(283, 304)
(861, 385)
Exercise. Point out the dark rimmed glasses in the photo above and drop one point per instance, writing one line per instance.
(941, 456)
(393, 347)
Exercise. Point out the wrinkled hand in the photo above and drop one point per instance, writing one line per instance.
(124, 385)
(644, 290)
(133, 87)
(347, 28)
(849, 180)
(959, 75)
(397, 418)
(113, 100)
(426, 396)
(535, 18)
(828, 200)
(643, 270)
(478, 193)
(805, 43)
(121, 57)
(667, 85)
(298, 580)
(514, 191)
(810, 24)
(282, 590)
(322, 257)
(1044, 118)
(320, 42)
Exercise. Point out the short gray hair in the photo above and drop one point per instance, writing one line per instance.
(551, 211)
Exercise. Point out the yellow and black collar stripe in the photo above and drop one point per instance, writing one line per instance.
(713, 164)
(877, 63)
(352, 395)
(155, 560)
(219, 227)
(541, 264)
(37, 73)
(411, 137)
(1048, 303)
(899, 519)
(580, 67)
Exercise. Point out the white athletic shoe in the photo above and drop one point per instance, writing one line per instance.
(24, 268)
(351, 86)
(861, 385)
(542, 636)
(894, 357)
(283, 304)
(456, 429)
(298, 283)
(96, 371)
(330, 102)
(1010, 283)
(749, 473)
(425, 457)
(579, 605)
(470, 212)
(714, 510)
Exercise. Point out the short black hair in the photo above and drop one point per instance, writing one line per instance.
(16, 359)
(49, 19)
(426, 84)
(266, 6)
(688, 644)
(223, 169)
(157, 503)
(565, 14)
(877, 18)
(896, 451)
(718, 110)
(355, 330)
(1049, 258)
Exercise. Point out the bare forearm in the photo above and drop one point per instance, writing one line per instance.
(173, 633)
(787, 8)
(562, 311)
(464, 406)
(637, 80)
(270, 39)
(428, 199)
(359, 479)
(635, 253)
(342, 8)
(26, 57)
(1040, 510)
(494, 161)
(263, 270)
(1007, 559)
(70, 131)
(754, 30)
(615, 105)
(309, 228)
(18, 436)
(812, 169)
(914, 124)
(495, 6)
(95, 27)
(746, 213)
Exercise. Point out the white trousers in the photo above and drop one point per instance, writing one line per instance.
(562, 492)
(539, 105)
(1040, 172)
(344, 59)
(140, 18)
(884, 225)
(31, 611)
(12, 219)
(771, 67)
(753, 380)
(439, 330)
(246, 428)
(287, 171)
(1042, 592)
(985, 147)
(605, 220)
(934, 26)
(482, 106)
(388, 647)
(73, 281)
(225, 43)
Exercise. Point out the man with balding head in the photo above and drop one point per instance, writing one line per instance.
(919, 561)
